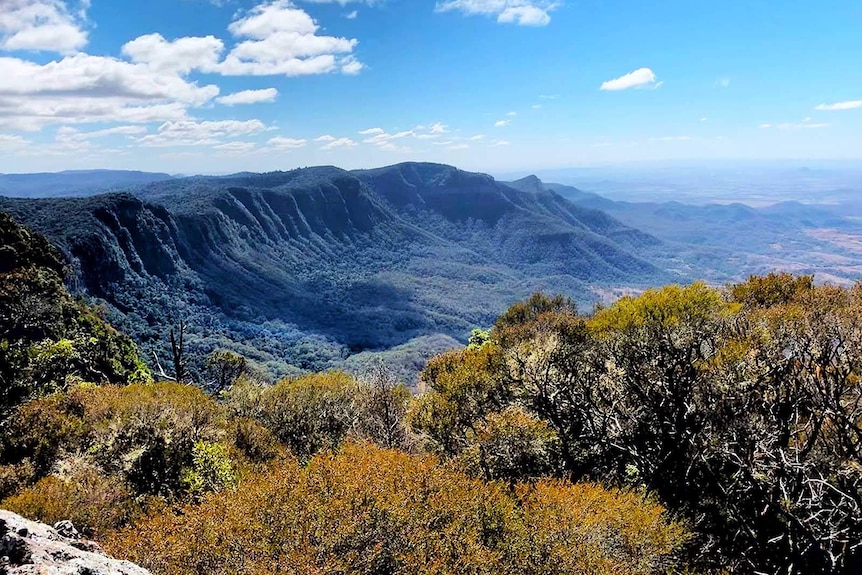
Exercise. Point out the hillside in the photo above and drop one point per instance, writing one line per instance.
(302, 269)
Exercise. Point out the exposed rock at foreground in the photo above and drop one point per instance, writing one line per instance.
(31, 548)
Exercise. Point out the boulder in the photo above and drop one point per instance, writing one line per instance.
(31, 548)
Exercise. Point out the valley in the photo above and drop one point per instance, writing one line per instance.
(320, 268)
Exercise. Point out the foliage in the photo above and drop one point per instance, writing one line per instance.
(211, 469)
(511, 445)
(771, 290)
(371, 511)
(224, 367)
(95, 503)
(47, 338)
(306, 414)
(134, 443)
(463, 386)
(382, 404)
(738, 409)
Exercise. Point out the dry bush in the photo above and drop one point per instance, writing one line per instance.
(371, 511)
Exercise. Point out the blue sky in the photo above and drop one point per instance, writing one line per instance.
(205, 86)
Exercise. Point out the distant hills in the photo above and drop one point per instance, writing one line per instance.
(73, 183)
(304, 269)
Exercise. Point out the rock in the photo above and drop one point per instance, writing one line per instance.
(66, 529)
(31, 548)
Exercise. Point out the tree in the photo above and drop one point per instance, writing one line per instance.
(382, 408)
(224, 367)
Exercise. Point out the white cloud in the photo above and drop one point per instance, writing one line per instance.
(382, 138)
(521, 12)
(12, 143)
(537, 106)
(325, 138)
(438, 128)
(640, 78)
(69, 133)
(191, 133)
(525, 16)
(280, 39)
(352, 15)
(281, 143)
(723, 82)
(339, 143)
(461, 146)
(84, 88)
(180, 56)
(499, 143)
(512, 114)
(48, 25)
(848, 105)
(372, 132)
(478, 137)
(501, 123)
(249, 97)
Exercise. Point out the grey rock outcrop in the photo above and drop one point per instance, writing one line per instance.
(31, 548)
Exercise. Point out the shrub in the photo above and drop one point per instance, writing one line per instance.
(371, 511)
(95, 503)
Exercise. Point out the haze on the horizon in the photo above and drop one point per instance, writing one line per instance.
(217, 86)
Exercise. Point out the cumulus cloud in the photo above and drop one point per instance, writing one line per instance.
(45, 25)
(249, 97)
(280, 39)
(12, 143)
(501, 123)
(521, 12)
(180, 56)
(640, 78)
(84, 88)
(236, 147)
(848, 105)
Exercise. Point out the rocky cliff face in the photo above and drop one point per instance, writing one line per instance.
(31, 548)
(296, 261)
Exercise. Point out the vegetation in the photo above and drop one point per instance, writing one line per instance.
(47, 338)
(366, 510)
(740, 409)
(686, 429)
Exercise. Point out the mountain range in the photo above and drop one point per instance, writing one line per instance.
(303, 269)
(321, 267)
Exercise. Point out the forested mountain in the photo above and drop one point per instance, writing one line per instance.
(304, 268)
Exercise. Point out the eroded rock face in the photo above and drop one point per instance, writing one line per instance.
(31, 548)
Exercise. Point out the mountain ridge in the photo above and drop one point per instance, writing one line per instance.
(364, 260)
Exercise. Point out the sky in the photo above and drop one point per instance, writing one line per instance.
(218, 86)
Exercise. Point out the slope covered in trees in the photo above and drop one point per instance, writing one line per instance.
(47, 337)
(301, 269)
(688, 429)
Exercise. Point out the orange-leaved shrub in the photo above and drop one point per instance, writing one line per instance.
(367, 510)
(94, 454)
